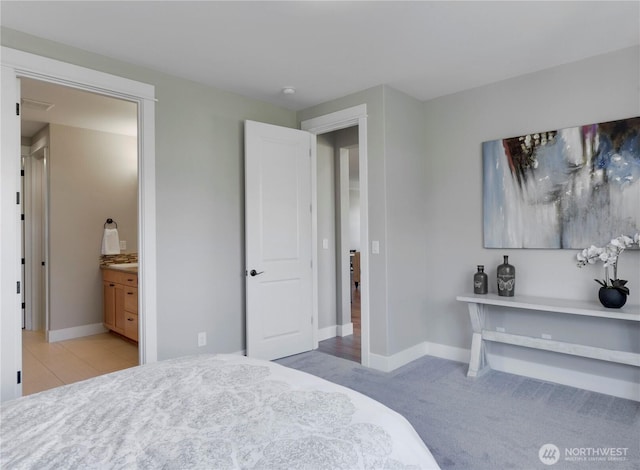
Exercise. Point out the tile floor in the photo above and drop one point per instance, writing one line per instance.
(48, 365)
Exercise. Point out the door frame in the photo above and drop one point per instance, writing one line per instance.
(18, 64)
(34, 271)
(354, 116)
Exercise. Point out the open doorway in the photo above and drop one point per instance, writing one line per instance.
(80, 161)
(15, 66)
(339, 250)
(355, 117)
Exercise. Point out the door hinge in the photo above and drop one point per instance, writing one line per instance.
(24, 305)
(18, 287)
(22, 260)
(19, 377)
(21, 216)
(17, 109)
(18, 198)
(21, 172)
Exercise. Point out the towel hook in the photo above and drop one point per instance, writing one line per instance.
(110, 221)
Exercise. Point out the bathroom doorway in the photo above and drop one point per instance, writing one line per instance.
(17, 65)
(80, 154)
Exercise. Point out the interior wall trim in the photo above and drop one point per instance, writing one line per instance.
(75, 332)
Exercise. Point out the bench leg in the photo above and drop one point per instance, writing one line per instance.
(477, 360)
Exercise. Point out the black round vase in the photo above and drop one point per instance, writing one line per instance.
(612, 298)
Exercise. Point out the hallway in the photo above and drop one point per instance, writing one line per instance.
(346, 347)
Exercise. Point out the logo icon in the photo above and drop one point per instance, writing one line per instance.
(549, 454)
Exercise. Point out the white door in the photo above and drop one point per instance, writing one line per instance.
(278, 237)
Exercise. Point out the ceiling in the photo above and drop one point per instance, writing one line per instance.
(71, 107)
(327, 49)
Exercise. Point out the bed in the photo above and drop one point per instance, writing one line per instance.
(207, 412)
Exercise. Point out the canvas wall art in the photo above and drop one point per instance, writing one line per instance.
(567, 188)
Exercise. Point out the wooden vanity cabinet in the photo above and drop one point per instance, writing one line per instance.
(121, 302)
(131, 312)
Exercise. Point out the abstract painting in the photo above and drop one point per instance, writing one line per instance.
(567, 188)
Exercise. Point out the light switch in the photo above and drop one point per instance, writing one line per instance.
(325, 243)
(375, 247)
(123, 244)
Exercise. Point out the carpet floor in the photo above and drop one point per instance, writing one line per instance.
(496, 421)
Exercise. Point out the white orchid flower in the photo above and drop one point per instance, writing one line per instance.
(593, 251)
(609, 256)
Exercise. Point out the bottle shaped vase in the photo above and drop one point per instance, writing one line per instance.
(506, 279)
(480, 281)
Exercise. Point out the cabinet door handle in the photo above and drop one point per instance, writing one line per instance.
(130, 280)
(112, 285)
(129, 319)
(130, 293)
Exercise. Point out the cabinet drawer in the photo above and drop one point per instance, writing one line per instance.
(131, 299)
(127, 279)
(131, 326)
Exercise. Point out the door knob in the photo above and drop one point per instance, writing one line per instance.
(253, 272)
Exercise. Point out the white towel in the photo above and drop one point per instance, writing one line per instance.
(110, 242)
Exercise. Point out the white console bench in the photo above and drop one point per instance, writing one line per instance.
(477, 311)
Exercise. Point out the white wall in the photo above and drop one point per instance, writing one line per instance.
(326, 211)
(347, 139)
(35, 186)
(354, 219)
(199, 199)
(598, 89)
(409, 268)
(92, 176)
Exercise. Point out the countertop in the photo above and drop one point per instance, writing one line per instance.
(112, 267)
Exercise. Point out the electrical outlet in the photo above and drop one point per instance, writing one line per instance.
(375, 247)
(325, 243)
(500, 329)
(123, 244)
(202, 338)
(546, 336)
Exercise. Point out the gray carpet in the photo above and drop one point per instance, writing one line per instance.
(497, 421)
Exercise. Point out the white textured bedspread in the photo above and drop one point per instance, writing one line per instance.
(206, 412)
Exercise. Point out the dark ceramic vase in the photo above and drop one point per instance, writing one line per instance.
(506, 279)
(611, 298)
(480, 281)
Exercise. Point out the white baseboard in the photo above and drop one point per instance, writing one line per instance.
(448, 352)
(583, 380)
(335, 330)
(53, 336)
(345, 330)
(547, 373)
(326, 333)
(389, 363)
